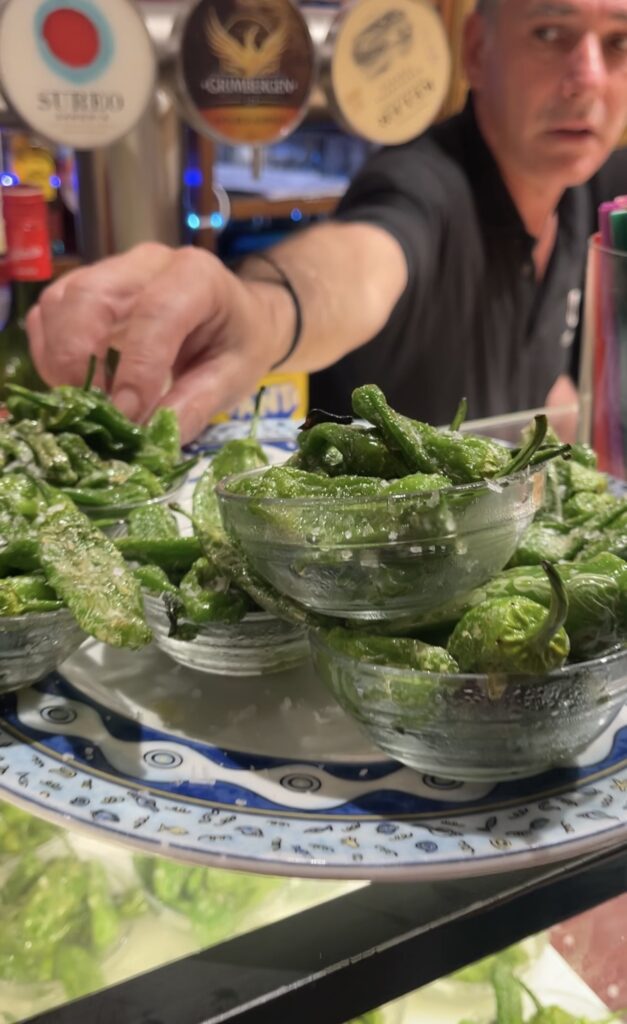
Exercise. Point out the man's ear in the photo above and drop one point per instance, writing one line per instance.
(474, 43)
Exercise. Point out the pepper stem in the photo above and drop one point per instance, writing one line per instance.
(460, 415)
(91, 373)
(254, 425)
(558, 610)
(522, 459)
(551, 452)
(536, 1002)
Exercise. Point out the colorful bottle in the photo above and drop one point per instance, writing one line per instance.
(30, 268)
(5, 276)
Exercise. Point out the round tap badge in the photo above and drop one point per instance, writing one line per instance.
(246, 69)
(390, 68)
(80, 72)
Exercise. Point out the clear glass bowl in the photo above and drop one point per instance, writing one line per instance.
(114, 516)
(33, 645)
(260, 643)
(379, 558)
(477, 727)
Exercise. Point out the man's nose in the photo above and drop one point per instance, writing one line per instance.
(587, 68)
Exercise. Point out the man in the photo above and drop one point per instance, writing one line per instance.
(452, 266)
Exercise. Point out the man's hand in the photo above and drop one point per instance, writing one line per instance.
(190, 334)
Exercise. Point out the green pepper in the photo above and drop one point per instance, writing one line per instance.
(20, 555)
(230, 561)
(597, 600)
(175, 555)
(90, 575)
(152, 522)
(163, 431)
(82, 458)
(508, 995)
(398, 652)
(29, 868)
(216, 902)
(514, 634)
(13, 447)
(155, 580)
(547, 542)
(103, 919)
(116, 473)
(111, 497)
(582, 505)
(20, 832)
(121, 429)
(575, 477)
(208, 596)
(59, 409)
(289, 482)
(20, 595)
(77, 970)
(335, 449)
(20, 495)
(236, 456)
(462, 458)
(53, 461)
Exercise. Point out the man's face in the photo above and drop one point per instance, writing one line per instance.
(550, 79)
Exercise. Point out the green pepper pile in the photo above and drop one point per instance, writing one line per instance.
(60, 917)
(562, 598)
(52, 555)
(508, 997)
(77, 441)
(201, 578)
(390, 455)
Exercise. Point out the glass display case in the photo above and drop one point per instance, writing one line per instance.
(96, 931)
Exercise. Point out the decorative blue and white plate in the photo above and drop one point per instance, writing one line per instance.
(270, 775)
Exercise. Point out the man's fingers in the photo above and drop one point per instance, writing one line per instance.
(77, 314)
(189, 294)
(213, 385)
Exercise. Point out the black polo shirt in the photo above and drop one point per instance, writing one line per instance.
(473, 320)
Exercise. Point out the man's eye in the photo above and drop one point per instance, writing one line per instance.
(547, 33)
(619, 43)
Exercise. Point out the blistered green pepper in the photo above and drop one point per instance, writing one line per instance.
(20, 595)
(209, 596)
(90, 575)
(514, 634)
(163, 431)
(547, 542)
(78, 971)
(464, 459)
(398, 652)
(54, 463)
(230, 561)
(236, 456)
(152, 522)
(155, 580)
(338, 449)
(174, 555)
(597, 600)
(82, 458)
(508, 995)
(20, 554)
(582, 505)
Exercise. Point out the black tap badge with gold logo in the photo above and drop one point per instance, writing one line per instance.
(246, 69)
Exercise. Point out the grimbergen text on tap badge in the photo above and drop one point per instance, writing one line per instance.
(245, 70)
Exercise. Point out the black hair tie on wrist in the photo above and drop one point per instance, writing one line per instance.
(298, 310)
